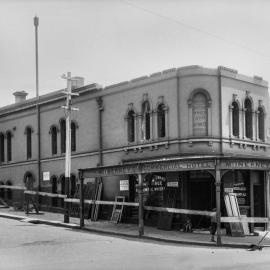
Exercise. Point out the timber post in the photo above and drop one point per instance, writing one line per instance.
(218, 183)
(140, 193)
(81, 200)
(267, 197)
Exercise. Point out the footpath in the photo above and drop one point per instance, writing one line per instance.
(131, 230)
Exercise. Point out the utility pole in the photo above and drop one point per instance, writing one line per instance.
(36, 23)
(68, 108)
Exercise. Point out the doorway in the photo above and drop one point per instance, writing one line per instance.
(201, 196)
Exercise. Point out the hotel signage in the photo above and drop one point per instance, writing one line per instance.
(246, 164)
(151, 167)
(176, 165)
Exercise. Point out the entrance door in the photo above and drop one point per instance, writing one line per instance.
(258, 201)
(202, 196)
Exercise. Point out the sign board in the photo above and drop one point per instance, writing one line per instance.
(46, 176)
(124, 185)
(172, 184)
(233, 211)
(228, 190)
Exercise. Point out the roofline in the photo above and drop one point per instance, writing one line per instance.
(47, 98)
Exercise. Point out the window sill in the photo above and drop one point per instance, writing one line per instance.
(150, 145)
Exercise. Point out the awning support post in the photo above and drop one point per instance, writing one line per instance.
(81, 202)
(218, 183)
(140, 194)
(267, 195)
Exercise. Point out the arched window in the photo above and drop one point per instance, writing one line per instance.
(235, 118)
(161, 128)
(28, 132)
(73, 136)
(9, 146)
(200, 114)
(63, 135)
(248, 118)
(261, 123)
(54, 139)
(72, 185)
(131, 126)
(146, 124)
(2, 147)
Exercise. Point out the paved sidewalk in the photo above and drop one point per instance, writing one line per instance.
(131, 230)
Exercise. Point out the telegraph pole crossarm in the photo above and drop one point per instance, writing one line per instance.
(68, 108)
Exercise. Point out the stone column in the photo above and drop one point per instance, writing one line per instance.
(167, 122)
(244, 123)
(139, 128)
(257, 125)
(230, 121)
(254, 126)
(154, 134)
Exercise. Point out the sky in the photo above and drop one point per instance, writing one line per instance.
(110, 41)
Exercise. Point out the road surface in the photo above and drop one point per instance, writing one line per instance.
(33, 247)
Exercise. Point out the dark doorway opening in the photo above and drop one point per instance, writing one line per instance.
(201, 196)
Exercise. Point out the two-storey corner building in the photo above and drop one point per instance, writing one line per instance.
(192, 133)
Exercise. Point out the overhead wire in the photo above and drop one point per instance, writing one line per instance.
(194, 28)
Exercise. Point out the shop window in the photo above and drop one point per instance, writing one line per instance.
(161, 121)
(261, 123)
(63, 135)
(200, 114)
(9, 146)
(54, 139)
(131, 126)
(2, 147)
(73, 136)
(146, 121)
(28, 132)
(235, 118)
(248, 118)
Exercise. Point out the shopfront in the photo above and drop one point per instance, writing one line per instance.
(194, 184)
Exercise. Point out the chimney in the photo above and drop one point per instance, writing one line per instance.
(20, 96)
(77, 82)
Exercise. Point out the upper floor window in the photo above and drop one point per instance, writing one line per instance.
(146, 121)
(2, 147)
(73, 136)
(131, 126)
(28, 132)
(161, 127)
(235, 119)
(63, 135)
(261, 124)
(248, 118)
(53, 132)
(9, 146)
(200, 114)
